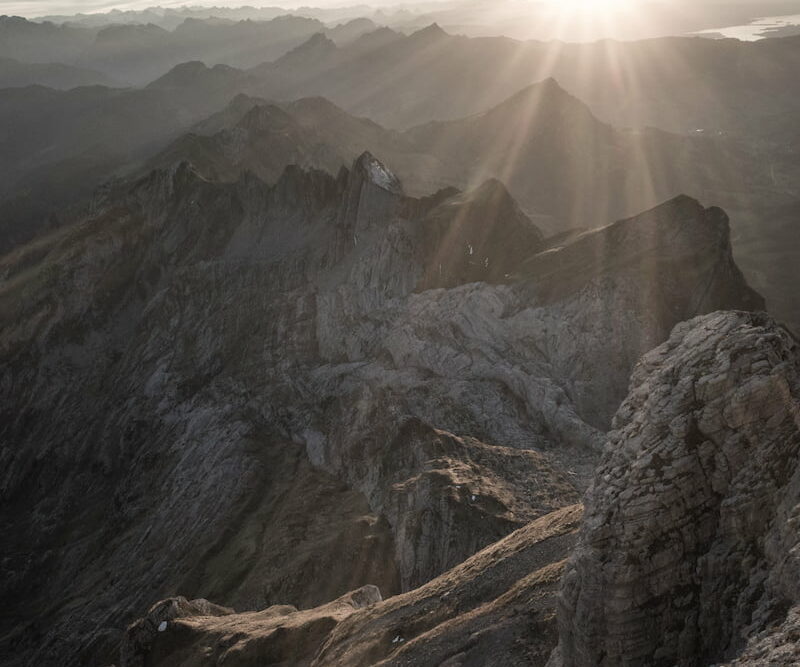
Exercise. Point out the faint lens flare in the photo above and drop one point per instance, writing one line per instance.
(589, 4)
(591, 9)
(589, 20)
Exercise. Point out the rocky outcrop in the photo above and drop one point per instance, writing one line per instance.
(245, 393)
(499, 605)
(690, 544)
(498, 602)
(172, 630)
(777, 645)
(463, 234)
(446, 497)
(264, 140)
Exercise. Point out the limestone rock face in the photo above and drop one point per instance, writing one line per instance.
(777, 645)
(690, 543)
(447, 496)
(246, 393)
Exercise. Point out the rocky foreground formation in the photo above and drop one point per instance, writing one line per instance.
(687, 554)
(267, 395)
(500, 602)
(690, 545)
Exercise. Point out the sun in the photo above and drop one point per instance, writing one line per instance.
(590, 5)
(595, 8)
(589, 20)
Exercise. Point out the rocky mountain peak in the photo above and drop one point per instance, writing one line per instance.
(375, 39)
(167, 186)
(680, 238)
(376, 173)
(265, 117)
(240, 104)
(316, 47)
(429, 34)
(478, 235)
(12, 20)
(549, 108)
(189, 75)
(181, 74)
(316, 41)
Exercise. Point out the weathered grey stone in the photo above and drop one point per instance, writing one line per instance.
(690, 542)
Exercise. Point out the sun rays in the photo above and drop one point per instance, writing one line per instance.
(587, 20)
(590, 5)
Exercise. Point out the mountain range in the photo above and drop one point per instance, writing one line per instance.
(377, 321)
(329, 344)
(712, 85)
(557, 158)
(521, 20)
(134, 54)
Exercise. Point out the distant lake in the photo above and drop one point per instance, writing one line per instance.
(772, 26)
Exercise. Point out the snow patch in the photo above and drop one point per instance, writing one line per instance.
(382, 177)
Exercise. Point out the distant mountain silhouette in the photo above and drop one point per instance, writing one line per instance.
(714, 85)
(140, 52)
(15, 74)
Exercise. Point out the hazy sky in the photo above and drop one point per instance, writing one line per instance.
(43, 7)
(571, 20)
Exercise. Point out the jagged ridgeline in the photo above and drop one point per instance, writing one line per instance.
(566, 168)
(263, 395)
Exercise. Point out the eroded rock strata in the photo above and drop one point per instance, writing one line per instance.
(690, 542)
(203, 377)
(687, 554)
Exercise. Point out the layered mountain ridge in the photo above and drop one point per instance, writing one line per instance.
(238, 353)
(545, 144)
(134, 54)
(560, 163)
(556, 157)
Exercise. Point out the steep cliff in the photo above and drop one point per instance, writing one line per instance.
(690, 545)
